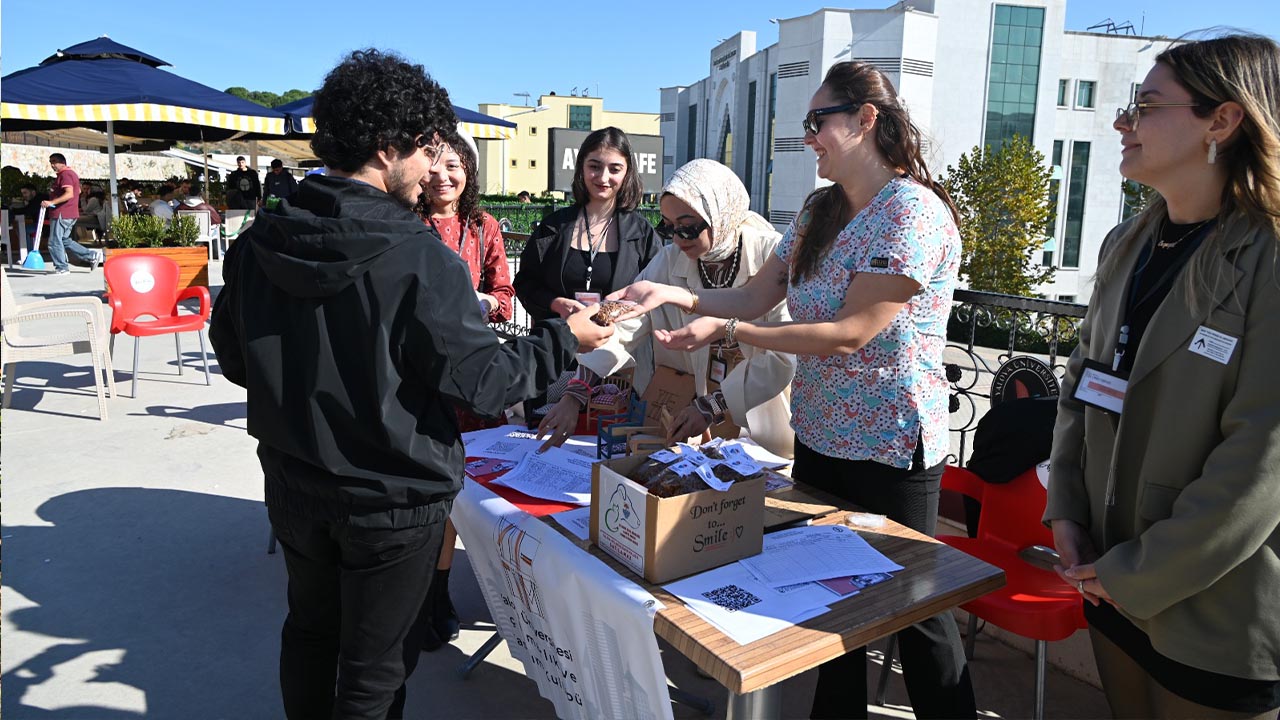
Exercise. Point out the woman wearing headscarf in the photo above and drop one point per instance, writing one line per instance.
(716, 241)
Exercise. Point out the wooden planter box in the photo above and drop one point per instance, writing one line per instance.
(193, 262)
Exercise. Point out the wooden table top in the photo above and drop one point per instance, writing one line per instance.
(936, 578)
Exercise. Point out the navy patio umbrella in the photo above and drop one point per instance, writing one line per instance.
(104, 85)
(479, 125)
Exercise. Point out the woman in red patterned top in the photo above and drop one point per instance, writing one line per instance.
(449, 203)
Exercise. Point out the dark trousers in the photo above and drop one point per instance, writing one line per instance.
(933, 663)
(349, 644)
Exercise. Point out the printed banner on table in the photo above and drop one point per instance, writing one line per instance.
(584, 634)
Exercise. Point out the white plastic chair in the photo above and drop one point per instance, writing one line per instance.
(209, 233)
(21, 345)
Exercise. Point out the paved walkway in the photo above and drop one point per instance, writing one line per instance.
(136, 581)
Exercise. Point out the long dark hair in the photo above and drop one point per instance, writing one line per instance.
(897, 138)
(610, 138)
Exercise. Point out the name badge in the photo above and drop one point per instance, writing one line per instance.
(587, 298)
(1101, 387)
(717, 372)
(1214, 345)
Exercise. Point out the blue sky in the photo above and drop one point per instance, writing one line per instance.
(486, 51)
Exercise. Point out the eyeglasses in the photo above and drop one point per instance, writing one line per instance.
(686, 232)
(432, 150)
(1129, 115)
(811, 122)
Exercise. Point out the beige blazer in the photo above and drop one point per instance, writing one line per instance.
(754, 390)
(1181, 492)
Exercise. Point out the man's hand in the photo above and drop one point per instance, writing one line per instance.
(559, 423)
(689, 423)
(564, 307)
(692, 336)
(590, 335)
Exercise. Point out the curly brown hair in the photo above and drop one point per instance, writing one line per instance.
(469, 201)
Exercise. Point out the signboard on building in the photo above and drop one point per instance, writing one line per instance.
(563, 155)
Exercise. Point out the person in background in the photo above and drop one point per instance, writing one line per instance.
(279, 182)
(716, 242)
(340, 315)
(95, 209)
(162, 206)
(181, 189)
(195, 201)
(30, 206)
(450, 205)
(524, 197)
(1164, 505)
(868, 269)
(244, 190)
(63, 212)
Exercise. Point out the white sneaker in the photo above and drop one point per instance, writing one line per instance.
(63, 271)
(96, 260)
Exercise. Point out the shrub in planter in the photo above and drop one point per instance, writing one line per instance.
(183, 231)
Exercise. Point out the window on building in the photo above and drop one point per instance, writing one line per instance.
(1133, 91)
(1085, 90)
(691, 136)
(1067, 298)
(579, 117)
(533, 164)
(514, 163)
(1064, 93)
(1014, 73)
(1077, 181)
(1134, 196)
(1055, 184)
(750, 146)
(533, 130)
(768, 168)
(726, 142)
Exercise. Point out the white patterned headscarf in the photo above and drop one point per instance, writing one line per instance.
(721, 200)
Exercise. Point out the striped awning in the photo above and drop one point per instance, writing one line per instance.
(142, 112)
(477, 130)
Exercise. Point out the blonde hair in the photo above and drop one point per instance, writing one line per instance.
(1244, 69)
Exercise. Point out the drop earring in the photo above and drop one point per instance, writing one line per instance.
(1213, 151)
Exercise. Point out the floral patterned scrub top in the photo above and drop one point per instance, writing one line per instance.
(875, 403)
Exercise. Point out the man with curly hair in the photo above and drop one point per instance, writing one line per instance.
(340, 315)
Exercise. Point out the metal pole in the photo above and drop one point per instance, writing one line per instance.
(762, 704)
(111, 173)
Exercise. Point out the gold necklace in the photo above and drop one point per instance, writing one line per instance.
(1166, 245)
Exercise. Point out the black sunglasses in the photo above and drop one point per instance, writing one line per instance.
(812, 124)
(687, 232)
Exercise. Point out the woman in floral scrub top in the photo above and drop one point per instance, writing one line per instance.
(868, 271)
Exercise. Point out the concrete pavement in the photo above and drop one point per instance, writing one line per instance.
(136, 581)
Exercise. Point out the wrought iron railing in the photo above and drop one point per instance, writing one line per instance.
(1028, 337)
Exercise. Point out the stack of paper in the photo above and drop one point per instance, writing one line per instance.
(744, 608)
(556, 474)
(807, 554)
(508, 442)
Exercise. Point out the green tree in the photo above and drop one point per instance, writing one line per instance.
(1136, 197)
(267, 98)
(1003, 200)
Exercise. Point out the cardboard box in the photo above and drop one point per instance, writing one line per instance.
(670, 390)
(667, 538)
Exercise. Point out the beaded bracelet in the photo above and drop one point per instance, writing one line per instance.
(730, 328)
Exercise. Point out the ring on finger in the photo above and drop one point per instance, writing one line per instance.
(1080, 585)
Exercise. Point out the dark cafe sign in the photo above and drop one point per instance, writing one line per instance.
(563, 154)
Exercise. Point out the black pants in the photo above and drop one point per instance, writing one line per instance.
(348, 643)
(933, 663)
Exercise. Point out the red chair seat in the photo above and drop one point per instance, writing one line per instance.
(164, 325)
(1034, 603)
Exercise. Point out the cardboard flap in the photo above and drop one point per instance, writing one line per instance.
(670, 390)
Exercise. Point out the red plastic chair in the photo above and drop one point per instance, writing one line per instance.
(1034, 602)
(142, 286)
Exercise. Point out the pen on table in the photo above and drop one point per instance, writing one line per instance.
(793, 524)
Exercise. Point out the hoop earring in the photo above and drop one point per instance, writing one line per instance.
(1213, 151)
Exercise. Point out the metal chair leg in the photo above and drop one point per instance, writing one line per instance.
(204, 355)
(177, 343)
(1041, 652)
(479, 655)
(971, 638)
(886, 669)
(136, 342)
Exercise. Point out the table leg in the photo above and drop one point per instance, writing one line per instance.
(762, 704)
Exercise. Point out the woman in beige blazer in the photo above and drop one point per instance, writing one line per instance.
(716, 241)
(1165, 507)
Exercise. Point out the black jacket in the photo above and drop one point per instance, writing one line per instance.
(356, 332)
(541, 277)
(281, 184)
(243, 189)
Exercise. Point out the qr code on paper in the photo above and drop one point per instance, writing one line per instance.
(731, 598)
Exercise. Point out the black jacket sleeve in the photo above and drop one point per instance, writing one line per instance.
(463, 358)
(530, 281)
(225, 324)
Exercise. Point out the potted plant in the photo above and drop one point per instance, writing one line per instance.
(175, 239)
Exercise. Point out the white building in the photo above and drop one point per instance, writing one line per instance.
(972, 72)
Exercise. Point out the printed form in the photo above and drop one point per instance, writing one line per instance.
(821, 552)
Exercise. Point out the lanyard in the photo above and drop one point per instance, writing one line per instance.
(1133, 301)
(462, 242)
(593, 243)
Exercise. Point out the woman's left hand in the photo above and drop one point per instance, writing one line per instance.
(1084, 578)
(692, 336)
